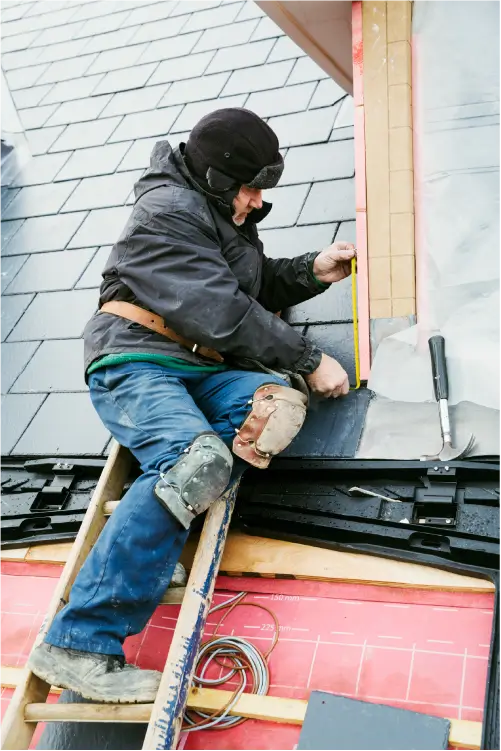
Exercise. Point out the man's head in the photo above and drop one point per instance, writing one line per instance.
(237, 154)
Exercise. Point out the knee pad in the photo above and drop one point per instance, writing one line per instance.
(276, 417)
(196, 480)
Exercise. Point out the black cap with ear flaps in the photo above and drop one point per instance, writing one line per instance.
(234, 146)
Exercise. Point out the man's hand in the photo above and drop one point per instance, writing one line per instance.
(334, 263)
(329, 379)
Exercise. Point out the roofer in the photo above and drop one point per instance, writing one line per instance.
(222, 388)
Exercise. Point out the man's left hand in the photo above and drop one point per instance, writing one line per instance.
(334, 263)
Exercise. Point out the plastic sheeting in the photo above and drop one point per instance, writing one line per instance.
(455, 47)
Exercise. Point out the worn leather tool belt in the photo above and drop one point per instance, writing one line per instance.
(154, 322)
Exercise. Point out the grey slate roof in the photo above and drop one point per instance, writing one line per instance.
(96, 85)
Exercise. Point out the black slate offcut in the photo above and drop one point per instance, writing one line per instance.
(335, 722)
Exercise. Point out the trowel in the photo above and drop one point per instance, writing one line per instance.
(441, 388)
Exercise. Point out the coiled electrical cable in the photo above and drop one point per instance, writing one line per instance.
(241, 658)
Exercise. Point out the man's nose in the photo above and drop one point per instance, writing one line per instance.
(257, 200)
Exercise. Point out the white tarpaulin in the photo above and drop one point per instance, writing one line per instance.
(455, 47)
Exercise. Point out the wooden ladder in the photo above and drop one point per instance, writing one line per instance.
(166, 716)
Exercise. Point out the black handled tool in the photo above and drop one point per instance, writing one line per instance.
(441, 389)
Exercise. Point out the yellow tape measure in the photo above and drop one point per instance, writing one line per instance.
(355, 322)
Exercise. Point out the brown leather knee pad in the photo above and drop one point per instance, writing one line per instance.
(277, 414)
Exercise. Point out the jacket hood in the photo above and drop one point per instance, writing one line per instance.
(168, 167)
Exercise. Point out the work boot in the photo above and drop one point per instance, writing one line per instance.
(99, 677)
(179, 577)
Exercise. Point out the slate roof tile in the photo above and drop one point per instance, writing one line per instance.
(10, 267)
(101, 227)
(40, 376)
(22, 78)
(148, 32)
(43, 233)
(46, 319)
(176, 47)
(15, 357)
(195, 89)
(92, 276)
(126, 79)
(53, 431)
(42, 139)
(64, 70)
(263, 77)
(45, 6)
(219, 37)
(154, 123)
(192, 113)
(20, 59)
(267, 29)
(281, 101)
(138, 156)
(287, 204)
(324, 161)
(82, 135)
(189, 6)
(123, 57)
(103, 191)
(293, 241)
(181, 67)
(57, 34)
(313, 126)
(98, 160)
(109, 41)
(75, 88)
(144, 13)
(35, 23)
(347, 232)
(285, 49)
(19, 42)
(306, 69)
(17, 413)
(333, 306)
(91, 10)
(30, 97)
(78, 111)
(9, 229)
(249, 10)
(329, 201)
(346, 113)
(111, 22)
(139, 100)
(243, 56)
(39, 200)
(12, 308)
(342, 134)
(62, 51)
(327, 92)
(41, 169)
(36, 117)
(206, 19)
(48, 272)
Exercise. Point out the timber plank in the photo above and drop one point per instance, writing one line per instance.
(463, 733)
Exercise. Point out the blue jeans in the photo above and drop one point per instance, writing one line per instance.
(156, 412)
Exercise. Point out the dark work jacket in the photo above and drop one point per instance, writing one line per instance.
(181, 256)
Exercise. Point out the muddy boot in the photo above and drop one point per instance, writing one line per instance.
(179, 577)
(104, 678)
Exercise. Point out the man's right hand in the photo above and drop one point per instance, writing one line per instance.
(329, 379)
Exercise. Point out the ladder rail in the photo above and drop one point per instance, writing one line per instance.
(16, 732)
(166, 719)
